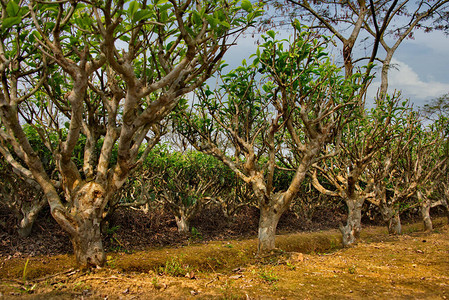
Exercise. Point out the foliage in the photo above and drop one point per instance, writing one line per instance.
(268, 275)
(93, 81)
(174, 267)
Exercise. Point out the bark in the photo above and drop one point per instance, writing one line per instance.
(24, 198)
(447, 210)
(391, 218)
(268, 221)
(29, 214)
(87, 244)
(445, 202)
(182, 222)
(83, 224)
(384, 73)
(394, 224)
(425, 211)
(351, 232)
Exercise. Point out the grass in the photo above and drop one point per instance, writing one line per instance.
(268, 275)
(414, 265)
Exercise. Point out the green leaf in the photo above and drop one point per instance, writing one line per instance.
(36, 34)
(211, 20)
(297, 25)
(247, 6)
(125, 38)
(169, 45)
(142, 14)
(266, 88)
(164, 16)
(86, 21)
(12, 8)
(271, 33)
(225, 24)
(50, 7)
(190, 31)
(11, 21)
(197, 18)
(132, 9)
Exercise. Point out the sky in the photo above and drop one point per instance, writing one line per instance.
(421, 70)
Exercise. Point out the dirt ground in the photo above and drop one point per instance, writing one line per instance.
(414, 265)
(131, 230)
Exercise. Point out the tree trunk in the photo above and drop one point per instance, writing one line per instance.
(384, 73)
(87, 244)
(425, 213)
(445, 203)
(351, 232)
(391, 218)
(394, 225)
(28, 214)
(268, 221)
(182, 223)
(83, 223)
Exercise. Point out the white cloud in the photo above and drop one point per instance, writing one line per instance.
(402, 77)
(436, 41)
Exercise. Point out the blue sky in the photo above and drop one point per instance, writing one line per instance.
(422, 65)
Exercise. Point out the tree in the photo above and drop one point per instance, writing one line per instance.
(403, 168)
(186, 182)
(106, 73)
(350, 21)
(346, 13)
(399, 22)
(283, 122)
(345, 170)
(436, 192)
(21, 75)
(23, 198)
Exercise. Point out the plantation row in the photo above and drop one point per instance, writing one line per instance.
(90, 89)
(188, 182)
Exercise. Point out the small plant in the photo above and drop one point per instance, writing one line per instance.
(351, 270)
(24, 275)
(116, 245)
(112, 230)
(196, 235)
(81, 286)
(333, 245)
(111, 261)
(268, 276)
(173, 267)
(291, 266)
(156, 284)
(26, 288)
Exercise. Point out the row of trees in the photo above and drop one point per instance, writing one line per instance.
(106, 73)
(96, 82)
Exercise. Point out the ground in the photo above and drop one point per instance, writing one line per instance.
(310, 265)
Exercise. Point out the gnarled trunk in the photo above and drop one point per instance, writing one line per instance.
(394, 224)
(28, 215)
(87, 244)
(24, 198)
(268, 221)
(391, 218)
(351, 232)
(425, 213)
(83, 223)
(445, 202)
(182, 222)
